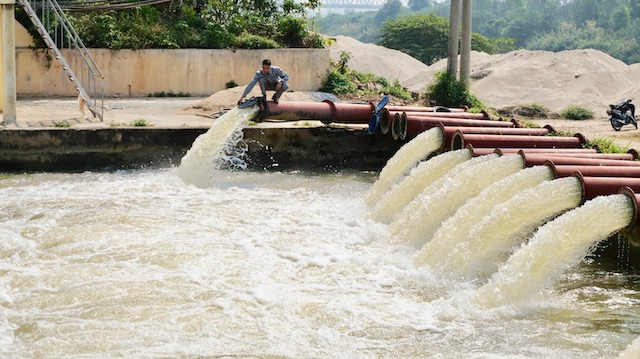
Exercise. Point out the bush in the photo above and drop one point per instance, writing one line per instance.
(576, 113)
(446, 90)
(293, 31)
(231, 84)
(605, 145)
(338, 83)
(249, 41)
(532, 110)
(397, 90)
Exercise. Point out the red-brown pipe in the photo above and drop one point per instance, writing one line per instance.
(292, 111)
(421, 109)
(594, 171)
(465, 115)
(399, 127)
(603, 186)
(416, 125)
(385, 121)
(449, 131)
(537, 159)
(480, 151)
(354, 113)
(635, 199)
(570, 152)
(325, 111)
(553, 151)
(460, 140)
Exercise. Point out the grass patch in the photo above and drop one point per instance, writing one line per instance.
(446, 90)
(341, 80)
(576, 113)
(170, 94)
(62, 124)
(605, 145)
(140, 123)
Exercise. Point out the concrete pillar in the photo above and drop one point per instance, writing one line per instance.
(7, 22)
(465, 51)
(454, 24)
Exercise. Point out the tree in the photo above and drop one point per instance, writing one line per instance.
(389, 10)
(422, 36)
(416, 5)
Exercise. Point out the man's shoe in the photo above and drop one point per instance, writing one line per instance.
(274, 99)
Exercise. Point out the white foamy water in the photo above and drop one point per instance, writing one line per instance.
(455, 230)
(491, 240)
(632, 351)
(396, 198)
(556, 246)
(257, 265)
(423, 216)
(406, 158)
(217, 148)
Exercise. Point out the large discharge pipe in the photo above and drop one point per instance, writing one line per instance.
(460, 140)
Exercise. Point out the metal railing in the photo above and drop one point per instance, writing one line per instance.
(58, 33)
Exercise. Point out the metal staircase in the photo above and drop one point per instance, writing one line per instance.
(85, 74)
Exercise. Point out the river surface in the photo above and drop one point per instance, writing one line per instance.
(138, 264)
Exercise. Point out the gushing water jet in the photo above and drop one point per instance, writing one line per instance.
(407, 157)
(394, 200)
(421, 218)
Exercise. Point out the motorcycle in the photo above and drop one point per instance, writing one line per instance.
(622, 114)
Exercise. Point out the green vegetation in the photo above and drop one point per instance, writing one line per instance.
(576, 113)
(611, 26)
(433, 30)
(211, 24)
(532, 110)
(231, 84)
(341, 80)
(605, 145)
(140, 123)
(62, 124)
(446, 90)
(170, 94)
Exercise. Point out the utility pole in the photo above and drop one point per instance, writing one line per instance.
(465, 44)
(7, 22)
(465, 53)
(454, 24)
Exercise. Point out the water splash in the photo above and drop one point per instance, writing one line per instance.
(556, 246)
(422, 217)
(404, 160)
(508, 225)
(632, 351)
(391, 204)
(456, 228)
(219, 147)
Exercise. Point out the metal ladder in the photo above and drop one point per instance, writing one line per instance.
(85, 74)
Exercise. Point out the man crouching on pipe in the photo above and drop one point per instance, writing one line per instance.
(270, 78)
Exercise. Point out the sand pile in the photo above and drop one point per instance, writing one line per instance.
(588, 78)
(556, 80)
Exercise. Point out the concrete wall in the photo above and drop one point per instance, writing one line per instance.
(142, 72)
